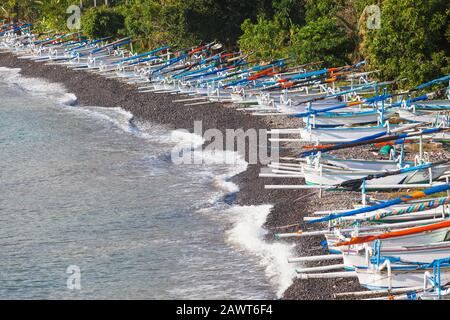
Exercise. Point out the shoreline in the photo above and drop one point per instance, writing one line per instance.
(288, 205)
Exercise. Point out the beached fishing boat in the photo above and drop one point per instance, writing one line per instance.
(417, 210)
(399, 238)
(344, 134)
(335, 119)
(425, 253)
(438, 118)
(435, 105)
(361, 164)
(329, 177)
(386, 277)
(435, 236)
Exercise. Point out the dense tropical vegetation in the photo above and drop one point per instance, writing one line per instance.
(412, 41)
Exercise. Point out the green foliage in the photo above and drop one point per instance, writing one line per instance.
(447, 32)
(102, 22)
(270, 36)
(53, 14)
(190, 21)
(45, 14)
(411, 42)
(322, 40)
(316, 9)
(360, 5)
(175, 23)
(267, 39)
(290, 12)
(216, 20)
(18, 8)
(140, 21)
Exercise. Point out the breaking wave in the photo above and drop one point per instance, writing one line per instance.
(249, 234)
(37, 86)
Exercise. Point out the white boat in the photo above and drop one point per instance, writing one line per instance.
(418, 210)
(438, 212)
(336, 119)
(338, 135)
(425, 253)
(330, 177)
(434, 236)
(374, 278)
(423, 117)
(362, 165)
(433, 105)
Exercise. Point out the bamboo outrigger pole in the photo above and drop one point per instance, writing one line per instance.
(402, 199)
(362, 142)
(396, 234)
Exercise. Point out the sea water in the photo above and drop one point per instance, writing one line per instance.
(91, 189)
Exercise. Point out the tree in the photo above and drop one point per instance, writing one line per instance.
(210, 20)
(289, 12)
(102, 22)
(52, 14)
(270, 36)
(267, 39)
(323, 39)
(316, 9)
(141, 22)
(411, 42)
(20, 9)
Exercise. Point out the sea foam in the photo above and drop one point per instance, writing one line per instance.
(37, 86)
(248, 233)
